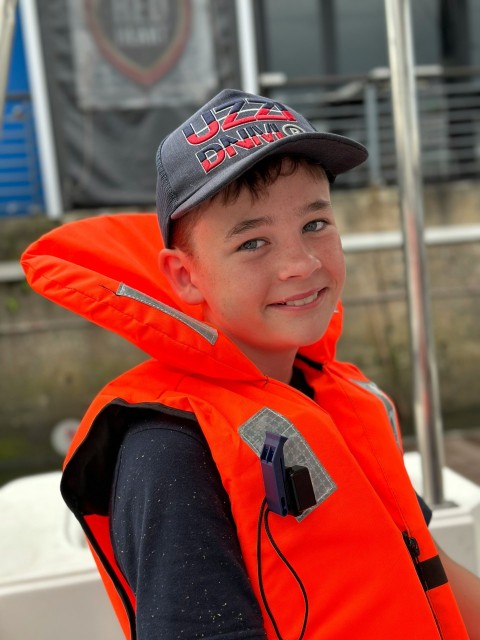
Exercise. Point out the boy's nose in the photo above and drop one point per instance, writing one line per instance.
(296, 261)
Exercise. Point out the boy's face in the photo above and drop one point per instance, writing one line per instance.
(268, 272)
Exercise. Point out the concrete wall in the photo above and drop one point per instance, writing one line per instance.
(376, 323)
(53, 362)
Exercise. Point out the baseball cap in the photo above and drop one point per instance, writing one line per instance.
(228, 136)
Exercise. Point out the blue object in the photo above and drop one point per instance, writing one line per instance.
(20, 180)
(273, 470)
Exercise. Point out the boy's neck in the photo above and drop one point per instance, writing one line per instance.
(275, 365)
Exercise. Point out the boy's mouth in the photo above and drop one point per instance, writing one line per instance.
(300, 302)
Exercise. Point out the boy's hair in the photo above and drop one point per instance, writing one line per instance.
(226, 138)
(255, 181)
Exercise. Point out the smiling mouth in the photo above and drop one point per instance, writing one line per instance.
(301, 302)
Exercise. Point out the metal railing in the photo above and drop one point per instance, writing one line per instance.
(360, 107)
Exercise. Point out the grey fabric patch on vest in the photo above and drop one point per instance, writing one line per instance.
(296, 450)
(387, 403)
(204, 330)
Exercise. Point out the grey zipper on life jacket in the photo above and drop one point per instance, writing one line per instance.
(209, 333)
(387, 403)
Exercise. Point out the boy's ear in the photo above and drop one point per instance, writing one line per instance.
(177, 267)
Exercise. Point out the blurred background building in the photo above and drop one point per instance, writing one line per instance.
(120, 75)
(94, 86)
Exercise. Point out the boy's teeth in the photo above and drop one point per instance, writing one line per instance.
(300, 303)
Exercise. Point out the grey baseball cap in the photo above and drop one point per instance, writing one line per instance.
(228, 136)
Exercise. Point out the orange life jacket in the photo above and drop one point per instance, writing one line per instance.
(363, 553)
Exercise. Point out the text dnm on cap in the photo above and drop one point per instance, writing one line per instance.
(226, 137)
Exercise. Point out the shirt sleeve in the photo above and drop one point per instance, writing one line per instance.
(174, 537)
(427, 512)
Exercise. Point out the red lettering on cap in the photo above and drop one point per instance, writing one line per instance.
(272, 135)
(193, 137)
(244, 143)
(267, 111)
(266, 114)
(211, 157)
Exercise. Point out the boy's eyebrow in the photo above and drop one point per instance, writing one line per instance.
(253, 223)
(316, 205)
(247, 225)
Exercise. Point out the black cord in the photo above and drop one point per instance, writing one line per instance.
(263, 509)
(263, 517)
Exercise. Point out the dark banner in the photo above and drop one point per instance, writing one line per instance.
(121, 74)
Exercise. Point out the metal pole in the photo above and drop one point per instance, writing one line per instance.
(328, 36)
(247, 46)
(41, 108)
(427, 413)
(7, 25)
(370, 97)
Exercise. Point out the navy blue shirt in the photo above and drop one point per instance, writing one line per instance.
(174, 537)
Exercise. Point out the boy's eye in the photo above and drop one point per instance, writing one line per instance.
(251, 245)
(315, 225)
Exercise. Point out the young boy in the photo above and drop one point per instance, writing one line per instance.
(199, 528)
